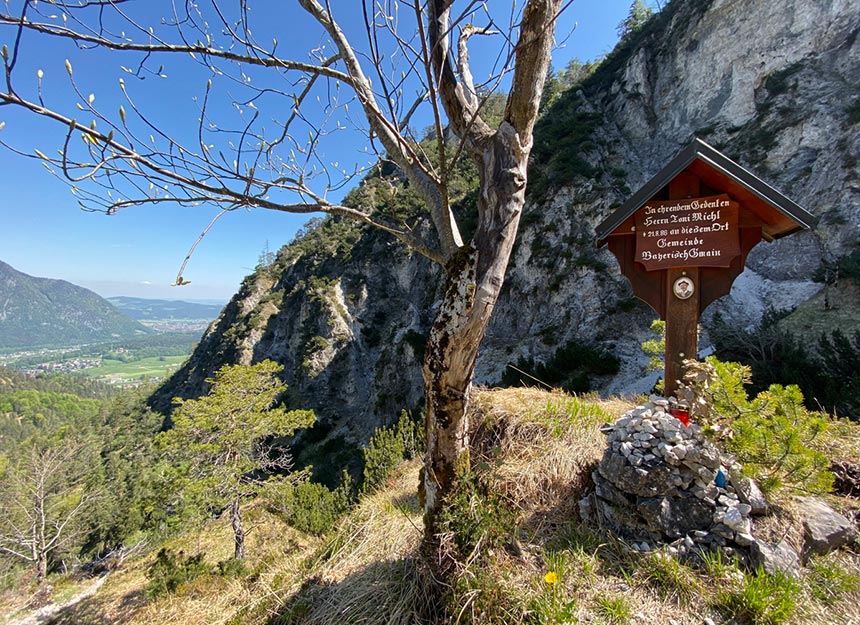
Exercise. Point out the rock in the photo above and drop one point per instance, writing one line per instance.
(779, 558)
(724, 531)
(675, 516)
(656, 481)
(605, 490)
(586, 510)
(749, 493)
(824, 529)
(734, 519)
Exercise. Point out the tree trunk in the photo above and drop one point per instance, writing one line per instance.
(473, 283)
(41, 568)
(39, 531)
(238, 531)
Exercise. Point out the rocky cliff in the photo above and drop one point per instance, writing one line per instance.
(772, 85)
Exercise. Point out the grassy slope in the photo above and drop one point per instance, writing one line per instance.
(535, 449)
(811, 318)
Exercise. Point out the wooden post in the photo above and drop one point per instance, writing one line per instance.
(682, 320)
(682, 310)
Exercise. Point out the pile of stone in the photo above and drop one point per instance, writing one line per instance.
(660, 481)
(662, 485)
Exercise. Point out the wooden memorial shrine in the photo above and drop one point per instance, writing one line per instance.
(683, 238)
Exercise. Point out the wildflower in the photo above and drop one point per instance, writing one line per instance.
(551, 578)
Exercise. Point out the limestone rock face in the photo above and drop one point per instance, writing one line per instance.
(771, 84)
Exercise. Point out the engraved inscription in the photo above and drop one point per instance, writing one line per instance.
(696, 232)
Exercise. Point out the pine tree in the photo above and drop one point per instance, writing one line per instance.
(636, 18)
(222, 438)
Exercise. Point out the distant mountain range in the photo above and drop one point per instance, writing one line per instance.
(162, 309)
(43, 312)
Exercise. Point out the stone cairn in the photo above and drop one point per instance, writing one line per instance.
(660, 482)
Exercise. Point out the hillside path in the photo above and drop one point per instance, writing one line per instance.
(45, 613)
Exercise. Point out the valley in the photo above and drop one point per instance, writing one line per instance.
(170, 330)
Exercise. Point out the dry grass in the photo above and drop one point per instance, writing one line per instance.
(543, 445)
(275, 553)
(369, 571)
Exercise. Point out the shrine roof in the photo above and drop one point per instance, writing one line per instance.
(779, 216)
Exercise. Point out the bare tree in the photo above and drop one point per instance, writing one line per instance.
(272, 157)
(43, 496)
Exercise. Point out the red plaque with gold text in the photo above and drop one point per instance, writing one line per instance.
(694, 232)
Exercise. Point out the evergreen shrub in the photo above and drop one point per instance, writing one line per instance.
(827, 371)
(310, 507)
(390, 446)
(570, 368)
(170, 570)
(776, 438)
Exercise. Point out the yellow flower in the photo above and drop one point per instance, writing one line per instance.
(551, 578)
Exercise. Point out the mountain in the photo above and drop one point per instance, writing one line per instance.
(161, 309)
(42, 312)
(346, 309)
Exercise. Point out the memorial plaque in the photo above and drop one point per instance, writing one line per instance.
(695, 232)
(684, 237)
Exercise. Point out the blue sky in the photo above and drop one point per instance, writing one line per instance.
(138, 251)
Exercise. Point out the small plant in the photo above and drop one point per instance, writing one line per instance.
(552, 605)
(233, 568)
(656, 350)
(763, 599)
(828, 581)
(718, 566)
(614, 609)
(170, 570)
(671, 578)
(475, 517)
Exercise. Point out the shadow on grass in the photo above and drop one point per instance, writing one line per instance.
(393, 592)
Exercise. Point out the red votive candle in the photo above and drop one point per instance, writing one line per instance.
(681, 415)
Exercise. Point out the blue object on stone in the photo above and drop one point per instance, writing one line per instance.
(720, 479)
